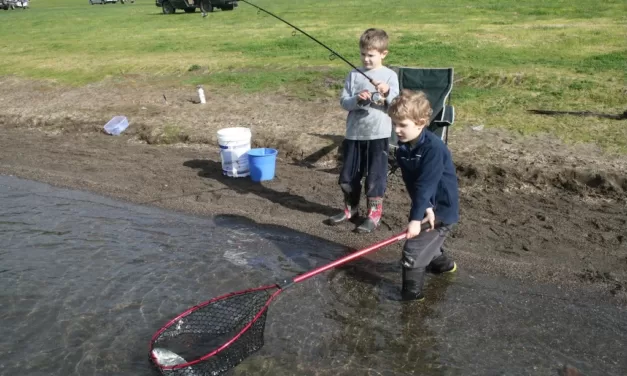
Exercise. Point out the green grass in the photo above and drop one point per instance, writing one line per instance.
(509, 56)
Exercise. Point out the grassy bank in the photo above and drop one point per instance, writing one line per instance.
(509, 56)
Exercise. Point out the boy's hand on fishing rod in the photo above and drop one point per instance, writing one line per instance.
(413, 229)
(382, 87)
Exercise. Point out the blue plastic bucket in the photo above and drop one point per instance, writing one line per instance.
(262, 162)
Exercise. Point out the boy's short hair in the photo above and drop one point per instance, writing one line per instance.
(412, 105)
(374, 39)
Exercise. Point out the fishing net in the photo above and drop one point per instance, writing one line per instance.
(215, 336)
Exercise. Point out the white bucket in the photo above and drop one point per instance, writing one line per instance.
(234, 146)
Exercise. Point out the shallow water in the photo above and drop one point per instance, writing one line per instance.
(85, 282)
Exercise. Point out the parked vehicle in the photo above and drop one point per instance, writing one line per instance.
(189, 6)
(92, 2)
(12, 4)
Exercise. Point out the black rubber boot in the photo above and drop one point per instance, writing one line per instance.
(351, 208)
(413, 281)
(375, 211)
(442, 264)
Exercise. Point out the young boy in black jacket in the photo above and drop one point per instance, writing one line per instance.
(429, 174)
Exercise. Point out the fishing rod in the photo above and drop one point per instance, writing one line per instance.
(376, 96)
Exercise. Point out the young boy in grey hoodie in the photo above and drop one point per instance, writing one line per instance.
(368, 129)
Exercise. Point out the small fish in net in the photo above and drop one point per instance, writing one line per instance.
(215, 336)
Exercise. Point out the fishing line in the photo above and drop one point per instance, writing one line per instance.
(312, 38)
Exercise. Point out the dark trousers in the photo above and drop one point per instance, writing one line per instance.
(419, 251)
(364, 158)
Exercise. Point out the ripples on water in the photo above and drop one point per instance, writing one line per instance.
(85, 281)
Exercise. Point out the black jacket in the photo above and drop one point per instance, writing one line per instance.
(430, 179)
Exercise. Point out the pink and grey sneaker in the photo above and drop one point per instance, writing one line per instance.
(375, 211)
(351, 208)
(348, 213)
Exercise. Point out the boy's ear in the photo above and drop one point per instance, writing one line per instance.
(422, 123)
(384, 54)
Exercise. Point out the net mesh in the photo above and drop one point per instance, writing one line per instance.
(208, 328)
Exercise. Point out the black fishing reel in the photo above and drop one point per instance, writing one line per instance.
(376, 97)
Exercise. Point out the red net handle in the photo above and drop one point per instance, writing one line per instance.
(350, 257)
(354, 255)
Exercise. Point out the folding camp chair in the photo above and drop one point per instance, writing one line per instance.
(437, 84)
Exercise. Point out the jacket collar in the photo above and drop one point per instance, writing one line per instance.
(411, 145)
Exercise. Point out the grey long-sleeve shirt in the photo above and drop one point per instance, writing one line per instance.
(369, 121)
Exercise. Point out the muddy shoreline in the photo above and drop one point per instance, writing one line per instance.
(532, 208)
